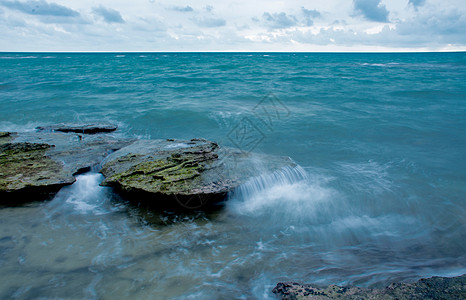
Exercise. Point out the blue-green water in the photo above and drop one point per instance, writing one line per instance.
(381, 138)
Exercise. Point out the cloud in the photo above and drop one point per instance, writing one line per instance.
(417, 3)
(279, 20)
(108, 14)
(182, 8)
(444, 25)
(41, 8)
(309, 15)
(210, 22)
(372, 10)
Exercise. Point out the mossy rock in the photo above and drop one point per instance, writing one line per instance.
(190, 174)
(5, 137)
(27, 172)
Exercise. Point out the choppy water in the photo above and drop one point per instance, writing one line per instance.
(379, 195)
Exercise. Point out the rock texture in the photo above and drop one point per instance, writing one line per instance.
(427, 288)
(26, 171)
(176, 173)
(190, 174)
(80, 128)
(35, 165)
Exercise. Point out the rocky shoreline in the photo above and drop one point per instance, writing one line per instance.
(426, 288)
(186, 174)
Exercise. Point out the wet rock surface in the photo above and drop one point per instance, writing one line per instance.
(26, 172)
(35, 165)
(189, 174)
(80, 128)
(426, 288)
(177, 173)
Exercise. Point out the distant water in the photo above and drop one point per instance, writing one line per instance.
(378, 196)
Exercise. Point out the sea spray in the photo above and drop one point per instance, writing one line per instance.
(286, 196)
(85, 196)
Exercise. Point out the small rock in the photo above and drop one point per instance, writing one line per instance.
(80, 128)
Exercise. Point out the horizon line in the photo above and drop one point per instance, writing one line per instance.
(296, 52)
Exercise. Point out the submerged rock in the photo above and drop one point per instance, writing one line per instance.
(190, 174)
(426, 288)
(80, 128)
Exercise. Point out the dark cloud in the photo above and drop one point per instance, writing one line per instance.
(210, 22)
(309, 15)
(372, 10)
(279, 20)
(108, 14)
(183, 8)
(41, 8)
(417, 3)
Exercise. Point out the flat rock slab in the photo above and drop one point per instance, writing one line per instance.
(78, 153)
(426, 288)
(186, 173)
(26, 171)
(35, 165)
(80, 128)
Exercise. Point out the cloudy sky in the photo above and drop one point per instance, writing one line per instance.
(225, 25)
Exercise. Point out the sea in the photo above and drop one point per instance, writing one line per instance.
(378, 194)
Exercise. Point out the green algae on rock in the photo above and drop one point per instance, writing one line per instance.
(190, 174)
(26, 170)
(5, 137)
(34, 165)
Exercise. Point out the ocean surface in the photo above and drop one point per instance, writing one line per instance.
(380, 140)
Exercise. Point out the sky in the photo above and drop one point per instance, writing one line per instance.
(240, 25)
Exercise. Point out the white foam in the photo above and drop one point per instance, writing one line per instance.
(11, 127)
(85, 193)
(286, 195)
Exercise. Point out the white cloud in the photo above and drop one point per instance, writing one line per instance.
(178, 25)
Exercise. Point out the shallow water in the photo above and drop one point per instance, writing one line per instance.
(378, 195)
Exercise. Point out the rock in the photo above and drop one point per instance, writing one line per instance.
(76, 152)
(427, 288)
(4, 134)
(188, 174)
(5, 137)
(80, 128)
(34, 166)
(27, 172)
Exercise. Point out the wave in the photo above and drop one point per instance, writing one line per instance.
(287, 195)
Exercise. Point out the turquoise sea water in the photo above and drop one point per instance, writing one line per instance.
(381, 139)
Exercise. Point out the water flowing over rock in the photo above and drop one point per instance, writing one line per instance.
(190, 174)
(426, 288)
